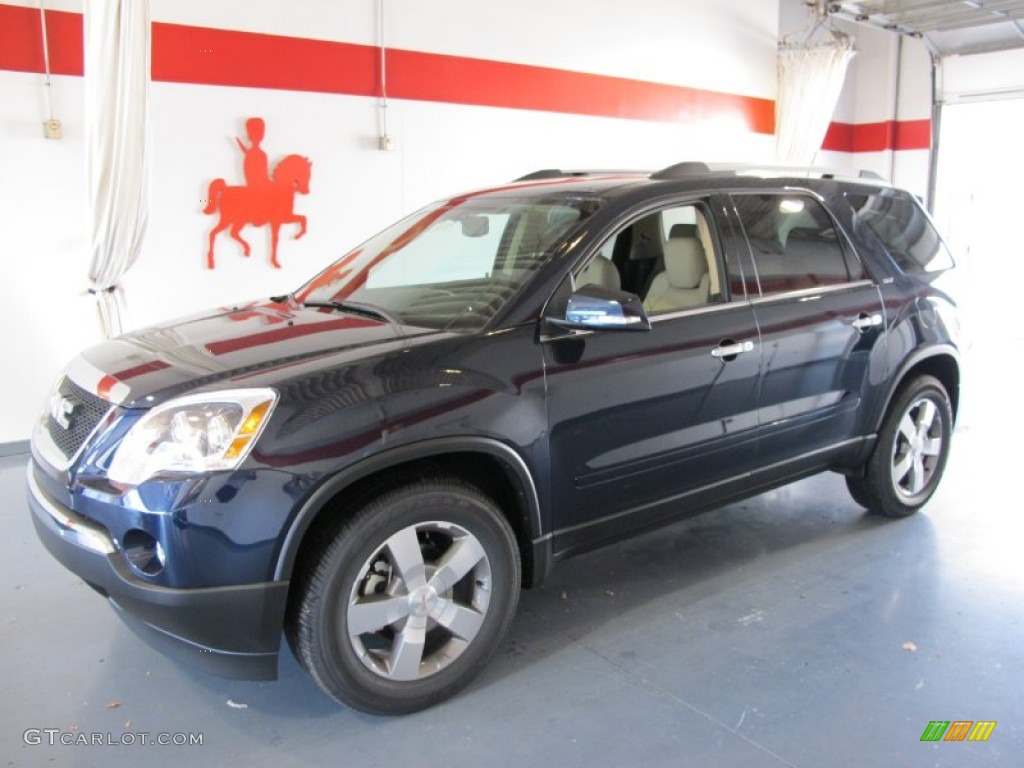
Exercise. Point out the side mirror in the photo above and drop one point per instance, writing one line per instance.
(594, 307)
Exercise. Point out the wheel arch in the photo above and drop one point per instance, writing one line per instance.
(494, 467)
(942, 362)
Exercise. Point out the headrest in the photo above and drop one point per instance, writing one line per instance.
(600, 272)
(685, 262)
(683, 230)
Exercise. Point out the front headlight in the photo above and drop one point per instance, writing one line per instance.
(196, 433)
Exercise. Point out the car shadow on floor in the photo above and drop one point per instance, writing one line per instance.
(689, 563)
(667, 570)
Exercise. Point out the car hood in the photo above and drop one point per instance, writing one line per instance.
(213, 350)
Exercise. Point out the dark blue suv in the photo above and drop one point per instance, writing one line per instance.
(374, 464)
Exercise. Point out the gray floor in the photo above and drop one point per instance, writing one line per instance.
(773, 632)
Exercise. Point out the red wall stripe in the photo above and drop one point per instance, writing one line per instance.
(459, 80)
(208, 56)
(186, 54)
(878, 137)
(839, 137)
(21, 40)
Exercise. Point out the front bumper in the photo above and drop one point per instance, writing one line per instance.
(231, 631)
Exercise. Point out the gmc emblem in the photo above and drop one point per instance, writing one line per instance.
(62, 409)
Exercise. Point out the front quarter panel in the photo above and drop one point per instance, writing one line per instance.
(334, 425)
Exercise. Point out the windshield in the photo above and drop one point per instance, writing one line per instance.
(454, 264)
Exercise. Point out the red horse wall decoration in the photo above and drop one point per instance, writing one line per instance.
(265, 199)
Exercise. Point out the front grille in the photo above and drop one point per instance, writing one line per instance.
(88, 410)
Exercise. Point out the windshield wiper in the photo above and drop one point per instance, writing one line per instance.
(358, 308)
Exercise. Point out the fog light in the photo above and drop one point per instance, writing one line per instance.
(144, 553)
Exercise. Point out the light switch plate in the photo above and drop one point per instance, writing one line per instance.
(52, 129)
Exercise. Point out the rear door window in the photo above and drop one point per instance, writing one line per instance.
(794, 242)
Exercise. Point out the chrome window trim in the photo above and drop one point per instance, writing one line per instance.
(706, 309)
(803, 293)
(815, 291)
(655, 319)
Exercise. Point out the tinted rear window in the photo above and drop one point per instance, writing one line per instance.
(794, 242)
(903, 228)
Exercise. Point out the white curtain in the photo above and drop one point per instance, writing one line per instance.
(117, 52)
(810, 81)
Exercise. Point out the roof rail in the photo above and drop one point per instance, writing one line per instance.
(557, 173)
(871, 175)
(546, 173)
(806, 172)
(692, 168)
(682, 170)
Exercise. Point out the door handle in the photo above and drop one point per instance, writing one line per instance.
(865, 321)
(731, 349)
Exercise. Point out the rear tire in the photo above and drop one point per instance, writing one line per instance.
(855, 485)
(909, 458)
(406, 600)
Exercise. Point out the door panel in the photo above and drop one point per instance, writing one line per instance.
(637, 417)
(819, 321)
(816, 362)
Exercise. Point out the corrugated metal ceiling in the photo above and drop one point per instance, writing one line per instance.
(947, 26)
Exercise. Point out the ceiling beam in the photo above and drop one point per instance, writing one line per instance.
(963, 13)
(887, 7)
(1009, 16)
(932, 14)
(890, 7)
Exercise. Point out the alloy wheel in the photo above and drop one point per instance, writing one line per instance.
(419, 601)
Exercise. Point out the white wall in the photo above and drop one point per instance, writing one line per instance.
(728, 46)
(888, 79)
(43, 316)
(911, 167)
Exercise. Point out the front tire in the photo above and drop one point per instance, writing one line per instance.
(406, 600)
(909, 458)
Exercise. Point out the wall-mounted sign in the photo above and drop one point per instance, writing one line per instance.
(266, 199)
